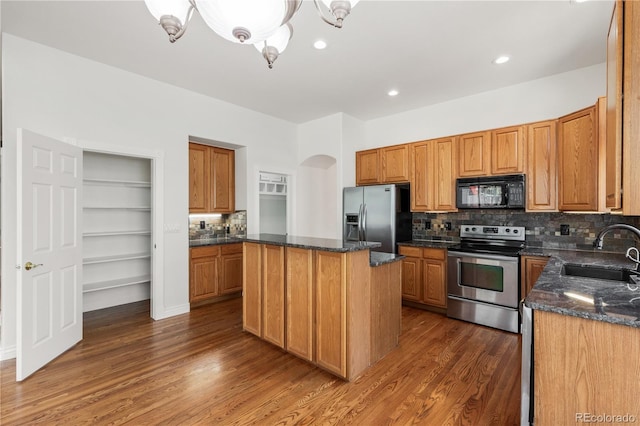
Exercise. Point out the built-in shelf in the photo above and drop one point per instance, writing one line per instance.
(272, 184)
(115, 258)
(116, 182)
(121, 282)
(113, 233)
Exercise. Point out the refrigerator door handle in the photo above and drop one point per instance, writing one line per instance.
(360, 223)
(364, 222)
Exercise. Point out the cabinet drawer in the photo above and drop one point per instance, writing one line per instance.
(434, 253)
(409, 251)
(231, 248)
(205, 251)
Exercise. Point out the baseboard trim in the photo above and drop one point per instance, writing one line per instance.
(173, 311)
(7, 353)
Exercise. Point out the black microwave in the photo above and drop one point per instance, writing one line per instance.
(492, 192)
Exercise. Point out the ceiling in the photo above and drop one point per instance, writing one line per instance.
(430, 51)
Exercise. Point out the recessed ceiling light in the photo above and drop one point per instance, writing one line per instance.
(320, 44)
(501, 60)
(392, 92)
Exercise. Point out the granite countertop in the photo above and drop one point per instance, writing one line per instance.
(377, 259)
(326, 244)
(201, 242)
(597, 299)
(446, 244)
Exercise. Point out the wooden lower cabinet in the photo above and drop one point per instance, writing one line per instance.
(330, 308)
(203, 274)
(530, 269)
(582, 366)
(424, 276)
(214, 271)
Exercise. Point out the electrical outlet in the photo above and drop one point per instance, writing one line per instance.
(202, 224)
(447, 226)
(564, 229)
(427, 224)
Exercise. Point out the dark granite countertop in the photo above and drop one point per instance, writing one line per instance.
(378, 259)
(597, 299)
(201, 242)
(446, 244)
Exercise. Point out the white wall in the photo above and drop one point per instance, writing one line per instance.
(68, 97)
(541, 99)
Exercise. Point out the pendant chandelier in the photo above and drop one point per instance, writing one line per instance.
(263, 23)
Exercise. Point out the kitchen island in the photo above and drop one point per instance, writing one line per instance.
(586, 341)
(336, 305)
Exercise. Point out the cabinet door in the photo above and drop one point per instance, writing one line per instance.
(531, 268)
(444, 181)
(614, 109)
(252, 288)
(434, 277)
(331, 315)
(411, 273)
(367, 167)
(474, 154)
(578, 161)
(222, 180)
(273, 279)
(299, 303)
(230, 280)
(542, 167)
(199, 178)
(203, 278)
(395, 164)
(508, 150)
(631, 110)
(421, 177)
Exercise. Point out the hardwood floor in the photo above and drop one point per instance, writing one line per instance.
(201, 368)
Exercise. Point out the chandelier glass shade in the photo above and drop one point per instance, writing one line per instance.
(263, 23)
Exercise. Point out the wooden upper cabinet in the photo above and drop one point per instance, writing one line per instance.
(222, 180)
(367, 167)
(631, 109)
(422, 176)
(508, 150)
(614, 109)
(211, 179)
(474, 154)
(433, 175)
(578, 161)
(395, 164)
(199, 178)
(542, 166)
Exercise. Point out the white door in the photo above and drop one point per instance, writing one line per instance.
(49, 214)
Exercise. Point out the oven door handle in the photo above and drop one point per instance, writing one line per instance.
(461, 254)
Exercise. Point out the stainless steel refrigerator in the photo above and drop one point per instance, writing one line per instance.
(377, 213)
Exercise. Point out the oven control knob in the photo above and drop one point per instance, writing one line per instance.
(473, 229)
(515, 231)
(466, 229)
(508, 230)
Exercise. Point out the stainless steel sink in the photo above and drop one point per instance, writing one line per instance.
(596, 272)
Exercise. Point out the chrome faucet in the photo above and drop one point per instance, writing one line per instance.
(598, 241)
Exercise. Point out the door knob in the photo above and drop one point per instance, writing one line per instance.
(29, 266)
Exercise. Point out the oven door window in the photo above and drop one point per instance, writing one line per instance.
(487, 277)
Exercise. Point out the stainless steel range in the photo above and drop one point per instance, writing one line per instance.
(483, 276)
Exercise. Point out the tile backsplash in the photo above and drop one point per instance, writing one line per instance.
(218, 225)
(543, 229)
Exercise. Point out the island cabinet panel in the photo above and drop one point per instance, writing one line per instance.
(386, 324)
(299, 303)
(542, 166)
(475, 154)
(508, 150)
(395, 164)
(583, 366)
(273, 295)
(331, 312)
(578, 161)
(252, 288)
